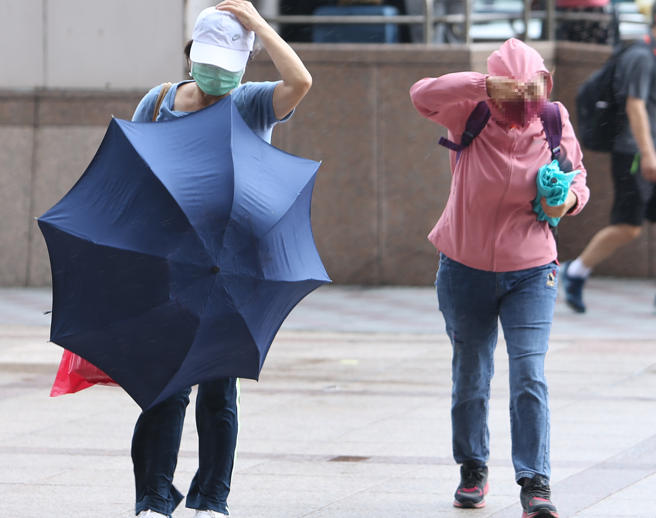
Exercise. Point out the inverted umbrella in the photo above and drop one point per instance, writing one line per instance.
(180, 251)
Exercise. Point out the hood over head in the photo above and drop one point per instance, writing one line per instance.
(518, 61)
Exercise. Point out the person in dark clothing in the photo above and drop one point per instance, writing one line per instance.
(222, 44)
(633, 165)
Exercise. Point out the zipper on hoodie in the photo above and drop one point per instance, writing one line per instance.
(513, 135)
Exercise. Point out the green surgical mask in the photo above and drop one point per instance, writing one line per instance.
(214, 80)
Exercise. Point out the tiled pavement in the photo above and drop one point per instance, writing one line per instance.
(350, 417)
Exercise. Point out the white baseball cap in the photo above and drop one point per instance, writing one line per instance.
(221, 40)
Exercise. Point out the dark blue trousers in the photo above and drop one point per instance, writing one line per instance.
(156, 443)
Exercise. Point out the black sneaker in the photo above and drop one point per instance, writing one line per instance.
(535, 497)
(473, 487)
(573, 289)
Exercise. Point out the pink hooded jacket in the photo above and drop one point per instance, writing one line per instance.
(488, 222)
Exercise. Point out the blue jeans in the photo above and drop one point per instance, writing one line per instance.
(156, 443)
(473, 302)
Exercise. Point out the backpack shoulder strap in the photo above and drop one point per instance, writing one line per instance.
(160, 99)
(475, 123)
(478, 118)
(553, 127)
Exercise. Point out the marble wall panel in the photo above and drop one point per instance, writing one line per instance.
(343, 54)
(415, 178)
(15, 179)
(575, 62)
(62, 154)
(330, 124)
(575, 232)
(384, 180)
(336, 124)
(85, 108)
(17, 108)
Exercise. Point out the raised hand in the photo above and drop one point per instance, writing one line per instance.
(245, 12)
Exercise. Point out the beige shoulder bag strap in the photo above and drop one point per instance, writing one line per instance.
(160, 99)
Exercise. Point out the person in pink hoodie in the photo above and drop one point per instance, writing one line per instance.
(498, 262)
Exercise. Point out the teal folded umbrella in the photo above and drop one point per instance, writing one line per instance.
(553, 185)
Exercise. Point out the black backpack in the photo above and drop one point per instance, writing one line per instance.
(599, 107)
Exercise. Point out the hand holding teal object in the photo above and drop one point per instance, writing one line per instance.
(553, 185)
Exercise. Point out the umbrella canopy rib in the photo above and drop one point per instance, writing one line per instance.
(109, 245)
(180, 251)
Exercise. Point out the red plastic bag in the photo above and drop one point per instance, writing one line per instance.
(76, 374)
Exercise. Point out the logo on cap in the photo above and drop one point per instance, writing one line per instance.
(235, 37)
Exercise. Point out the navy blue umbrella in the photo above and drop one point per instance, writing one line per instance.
(180, 251)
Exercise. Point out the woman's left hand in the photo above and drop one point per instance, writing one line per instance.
(245, 12)
(296, 80)
(559, 210)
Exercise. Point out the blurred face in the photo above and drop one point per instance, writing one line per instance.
(520, 102)
(534, 89)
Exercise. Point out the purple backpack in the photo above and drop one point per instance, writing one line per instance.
(553, 130)
(478, 118)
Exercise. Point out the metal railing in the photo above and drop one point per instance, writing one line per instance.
(429, 19)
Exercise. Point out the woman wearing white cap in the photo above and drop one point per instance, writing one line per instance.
(222, 44)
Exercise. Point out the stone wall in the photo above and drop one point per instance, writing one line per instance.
(384, 180)
(47, 139)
